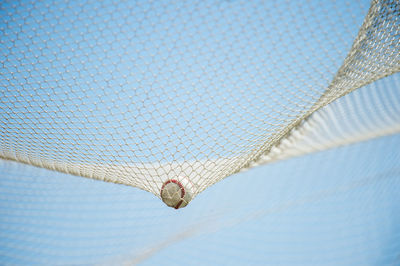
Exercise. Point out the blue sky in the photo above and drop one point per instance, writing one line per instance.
(335, 207)
(143, 82)
(159, 82)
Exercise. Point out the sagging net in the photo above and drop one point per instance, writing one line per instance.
(142, 92)
(341, 204)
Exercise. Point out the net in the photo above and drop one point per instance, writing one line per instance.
(339, 206)
(141, 92)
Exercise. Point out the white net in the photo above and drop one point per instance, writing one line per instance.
(336, 207)
(371, 112)
(142, 92)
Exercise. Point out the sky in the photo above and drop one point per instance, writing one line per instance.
(127, 83)
(337, 207)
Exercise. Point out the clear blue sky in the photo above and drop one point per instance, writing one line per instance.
(335, 207)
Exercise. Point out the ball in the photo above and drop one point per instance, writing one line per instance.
(177, 193)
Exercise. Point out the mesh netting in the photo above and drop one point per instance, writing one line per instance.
(370, 112)
(141, 92)
(341, 204)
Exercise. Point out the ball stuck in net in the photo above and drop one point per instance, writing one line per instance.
(176, 193)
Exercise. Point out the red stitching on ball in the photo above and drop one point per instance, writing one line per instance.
(178, 205)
